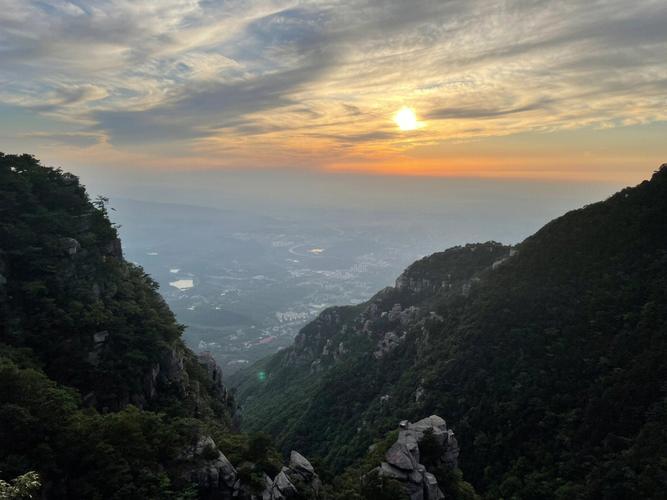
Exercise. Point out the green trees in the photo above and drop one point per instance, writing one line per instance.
(376, 487)
(85, 341)
(84, 454)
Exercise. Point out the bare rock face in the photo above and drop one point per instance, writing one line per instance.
(315, 340)
(69, 246)
(216, 478)
(296, 479)
(114, 248)
(300, 465)
(99, 341)
(402, 460)
(282, 487)
(389, 342)
(209, 469)
(213, 369)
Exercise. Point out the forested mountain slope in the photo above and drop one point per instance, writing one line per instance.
(548, 359)
(98, 394)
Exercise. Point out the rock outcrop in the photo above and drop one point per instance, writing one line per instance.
(296, 479)
(69, 246)
(209, 469)
(403, 459)
(215, 477)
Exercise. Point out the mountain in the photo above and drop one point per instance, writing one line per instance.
(548, 360)
(99, 396)
(101, 399)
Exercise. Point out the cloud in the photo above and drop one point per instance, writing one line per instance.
(198, 110)
(76, 139)
(482, 113)
(320, 78)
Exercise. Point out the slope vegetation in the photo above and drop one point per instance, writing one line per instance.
(548, 359)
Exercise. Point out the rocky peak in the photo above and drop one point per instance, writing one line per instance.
(296, 479)
(403, 459)
(453, 268)
(207, 467)
(204, 465)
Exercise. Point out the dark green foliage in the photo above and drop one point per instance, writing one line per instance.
(79, 452)
(359, 479)
(258, 457)
(82, 335)
(551, 369)
(375, 487)
(430, 450)
(66, 280)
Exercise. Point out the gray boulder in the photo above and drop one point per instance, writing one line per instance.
(388, 470)
(282, 487)
(299, 463)
(69, 246)
(99, 341)
(297, 478)
(402, 459)
(209, 468)
(431, 487)
(399, 456)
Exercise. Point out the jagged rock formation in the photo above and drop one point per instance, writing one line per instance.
(296, 479)
(403, 458)
(207, 467)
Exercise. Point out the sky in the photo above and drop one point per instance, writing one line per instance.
(534, 89)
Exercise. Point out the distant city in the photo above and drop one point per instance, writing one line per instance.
(245, 294)
(244, 283)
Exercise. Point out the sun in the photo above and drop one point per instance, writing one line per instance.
(406, 119)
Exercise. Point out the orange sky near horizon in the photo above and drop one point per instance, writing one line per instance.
(540, 90)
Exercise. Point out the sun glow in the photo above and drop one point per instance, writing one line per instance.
(406, 119)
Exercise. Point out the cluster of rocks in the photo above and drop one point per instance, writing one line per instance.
(402, 460)
(215, 476)
(387, 343)
(418, 285)
(168, 371)
(208, 468)
(296, 479)
(69, 246)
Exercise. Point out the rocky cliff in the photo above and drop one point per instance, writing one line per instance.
(388, 317)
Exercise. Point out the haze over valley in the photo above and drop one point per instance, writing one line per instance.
(244, 282)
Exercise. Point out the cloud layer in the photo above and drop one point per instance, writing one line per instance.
(281, 82)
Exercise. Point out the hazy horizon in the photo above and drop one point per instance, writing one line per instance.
(536, 90)
(333, 141)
